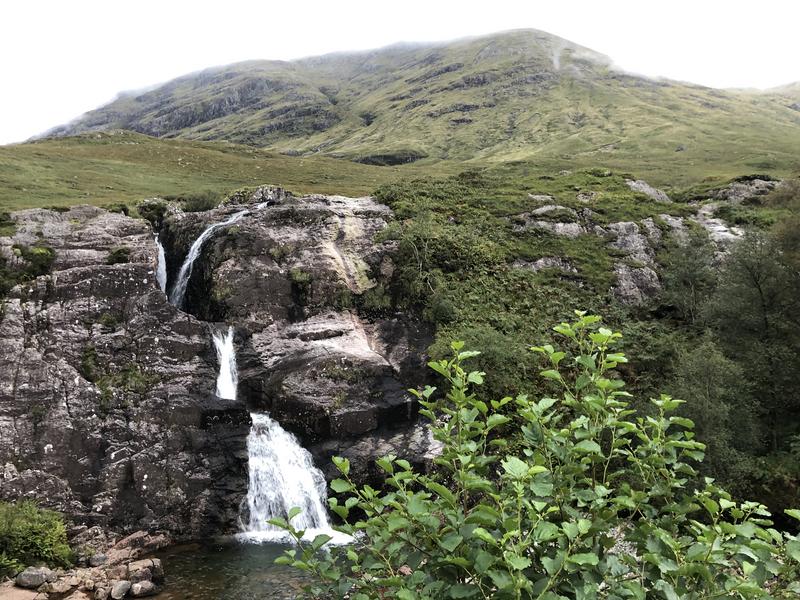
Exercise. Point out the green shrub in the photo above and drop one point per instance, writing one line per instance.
(118, 256)
(153, 211)
(89, 368)
(592, 501)
(118, 207)
(7, 225)
(198, 201)
(38, 258)
(30, 536)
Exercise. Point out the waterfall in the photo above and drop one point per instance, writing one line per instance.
(178, 291)
(161, 267)
(226, 355)
(282, 476)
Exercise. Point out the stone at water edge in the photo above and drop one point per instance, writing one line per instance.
(33, 577)
(144, 588)
(120, 589)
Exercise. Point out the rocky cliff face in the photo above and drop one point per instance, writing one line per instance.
(107, 409)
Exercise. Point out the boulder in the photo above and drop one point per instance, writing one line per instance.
(144, 588)
(635, 285)
(33, 577)
(745, 189)
(97, 559)
(645, 188)
(120, 589)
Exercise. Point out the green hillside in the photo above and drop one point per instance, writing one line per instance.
(118, 166)
(520, 95)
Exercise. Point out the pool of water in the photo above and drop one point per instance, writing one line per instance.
(228, 569)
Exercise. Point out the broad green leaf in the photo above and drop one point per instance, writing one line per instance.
(501, 579)
(586, 558)
(451, 542)
(588, 446)
(342, 464)
(463, 590)
(483, 560)
(515, 467)
(340, 485)
(519, 563)
(417, 506)
(551, 374)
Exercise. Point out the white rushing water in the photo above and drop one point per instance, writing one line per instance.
(282, 476)
(178, 291)
(228, 377)
(161, 267)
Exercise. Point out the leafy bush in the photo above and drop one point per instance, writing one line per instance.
(118, 207)
(198, 201)
(592, 501)
(153, 211)
(29, 536)
(38, 258)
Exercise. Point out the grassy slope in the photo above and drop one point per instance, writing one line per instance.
(126, 167)
(522, 95)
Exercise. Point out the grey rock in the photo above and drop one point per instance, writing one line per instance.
(677, 228)
(149, 569)
(33, 577)
(120, 589)
(720, 233)
(546, 262)
(569, 230)
(144, 588)
(97, 559)
(540, 198)
(645, 188)
(554, 208)
(737, 192)
(629, 239)
(635, 285)
(652, 231)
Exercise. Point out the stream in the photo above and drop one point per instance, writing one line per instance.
(227, 569)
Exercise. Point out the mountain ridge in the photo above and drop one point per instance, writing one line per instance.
(516, 95)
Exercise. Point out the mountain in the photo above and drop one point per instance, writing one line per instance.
(516, 95)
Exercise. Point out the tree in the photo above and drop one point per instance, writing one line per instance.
(720, 403)
(689, 276)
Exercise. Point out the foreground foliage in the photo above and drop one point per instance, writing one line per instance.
(30, 536)
(593, 501)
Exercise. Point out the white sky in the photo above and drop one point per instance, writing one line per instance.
(61, 58)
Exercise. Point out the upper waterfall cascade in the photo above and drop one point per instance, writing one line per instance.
(177, 294)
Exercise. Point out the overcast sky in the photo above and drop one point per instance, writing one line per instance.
(61, 58)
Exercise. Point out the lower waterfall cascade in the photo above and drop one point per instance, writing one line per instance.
(282, 474)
